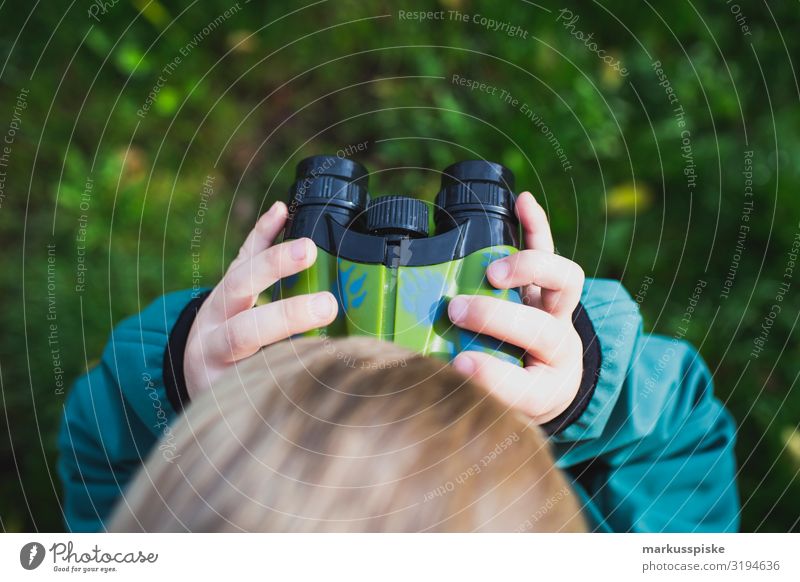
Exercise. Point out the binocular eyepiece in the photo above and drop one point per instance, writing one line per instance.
(326, 185)
(474, 209)
(474, 188)
(338, 186)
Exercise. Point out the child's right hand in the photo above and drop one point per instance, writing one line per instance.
(228, 328)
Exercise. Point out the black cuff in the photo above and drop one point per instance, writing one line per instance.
(174, 380)
(591, 373)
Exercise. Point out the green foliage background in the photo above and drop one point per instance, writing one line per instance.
(278, 81)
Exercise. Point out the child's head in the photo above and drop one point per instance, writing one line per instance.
(349, 435)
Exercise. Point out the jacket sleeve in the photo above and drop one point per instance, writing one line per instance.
(116, 413)
(653, 450)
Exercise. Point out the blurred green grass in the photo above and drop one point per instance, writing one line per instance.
(265, 87)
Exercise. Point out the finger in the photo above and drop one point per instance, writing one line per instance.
(519, 388)
(246, 333)
(557, 274)
(535, 226)
(532, 295)
(263, 234)
(240, 287)
(538, 333)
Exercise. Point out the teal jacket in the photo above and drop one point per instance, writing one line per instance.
(648, 450)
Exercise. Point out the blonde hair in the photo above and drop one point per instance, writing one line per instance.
(349, 435)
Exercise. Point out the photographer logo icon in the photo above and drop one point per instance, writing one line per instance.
(31, 555)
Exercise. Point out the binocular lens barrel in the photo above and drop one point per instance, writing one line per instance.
(474, 190)
(483, 193)
(475, 186)
(326, 185)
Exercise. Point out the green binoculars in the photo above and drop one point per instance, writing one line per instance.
(393, 262)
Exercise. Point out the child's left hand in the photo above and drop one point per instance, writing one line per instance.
(542, 325)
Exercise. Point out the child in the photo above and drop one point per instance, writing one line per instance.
(631, 417)
(349, 434)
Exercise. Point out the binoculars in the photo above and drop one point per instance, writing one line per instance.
(393, 262)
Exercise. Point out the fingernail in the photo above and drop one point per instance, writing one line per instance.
(322, 306)
(273, 210)
(276, 212)
(266, 218)
(464, 364)
(457, 309)
(528, 195)
(499, 270)
(299, 249)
